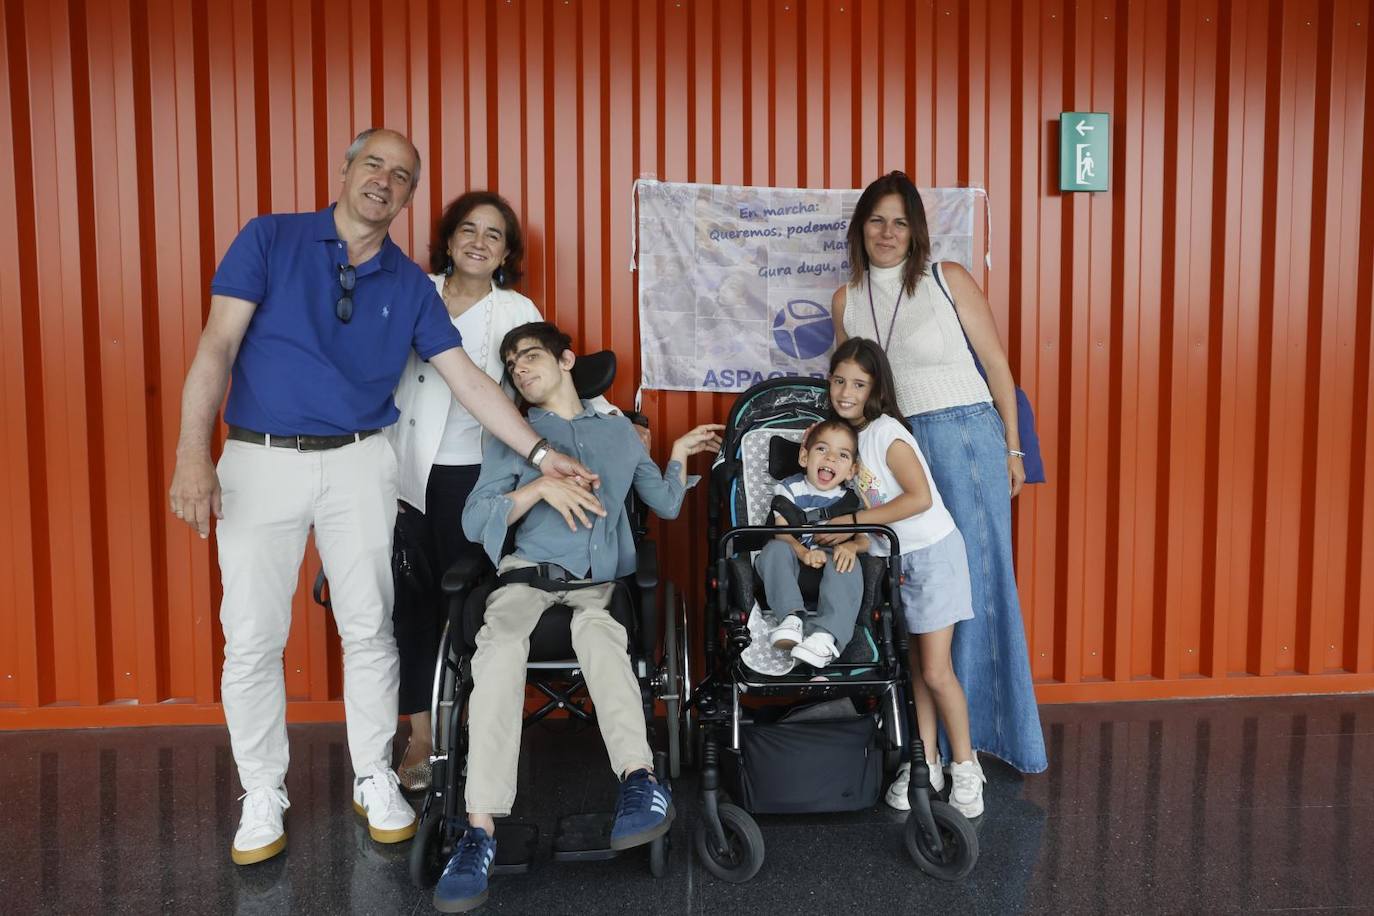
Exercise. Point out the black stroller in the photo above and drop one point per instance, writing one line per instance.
(850, 724)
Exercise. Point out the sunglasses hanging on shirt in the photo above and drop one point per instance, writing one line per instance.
(348, 278)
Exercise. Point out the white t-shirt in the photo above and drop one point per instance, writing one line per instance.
(875, 482)
(462, 439)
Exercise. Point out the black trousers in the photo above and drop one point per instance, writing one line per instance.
(427, 544)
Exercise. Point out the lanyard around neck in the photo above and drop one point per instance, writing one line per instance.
(891, 325)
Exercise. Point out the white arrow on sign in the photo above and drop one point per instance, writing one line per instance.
(1083, 127)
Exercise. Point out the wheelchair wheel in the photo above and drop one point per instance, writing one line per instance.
(744, 856)
(688, 741)
(658, 857)
(673, 682)
(958, 839)
(427, 855)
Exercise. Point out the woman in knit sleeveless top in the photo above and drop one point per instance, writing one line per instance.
(919, 313)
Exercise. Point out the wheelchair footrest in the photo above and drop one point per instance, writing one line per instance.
(583, 838)
(515, 846)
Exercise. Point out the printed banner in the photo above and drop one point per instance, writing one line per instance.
(735, 282)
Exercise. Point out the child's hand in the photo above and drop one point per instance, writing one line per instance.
(830, 540)
(814, 558)
(844, 558)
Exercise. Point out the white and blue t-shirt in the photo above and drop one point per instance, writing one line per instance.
(799, 491)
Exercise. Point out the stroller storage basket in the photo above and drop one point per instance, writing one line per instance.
(807, 766)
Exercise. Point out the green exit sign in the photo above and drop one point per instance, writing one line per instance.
(1084, 150)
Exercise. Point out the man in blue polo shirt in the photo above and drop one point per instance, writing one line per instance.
(315, 314)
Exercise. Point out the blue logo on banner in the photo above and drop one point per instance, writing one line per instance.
(802, 329)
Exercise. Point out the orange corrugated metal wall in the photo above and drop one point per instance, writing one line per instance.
(1197, 341)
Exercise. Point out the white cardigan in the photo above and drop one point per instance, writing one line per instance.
(423, 398)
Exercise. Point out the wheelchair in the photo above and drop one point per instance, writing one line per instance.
(554, 672)
(837, 753)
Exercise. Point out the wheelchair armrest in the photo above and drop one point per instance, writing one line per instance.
(646, 564)
(466, 570)
(646, 578)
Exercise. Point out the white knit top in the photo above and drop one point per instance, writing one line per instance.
(930, 359)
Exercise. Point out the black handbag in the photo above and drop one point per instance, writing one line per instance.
(1025, 416)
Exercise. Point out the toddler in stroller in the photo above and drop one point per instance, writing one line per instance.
(828, 456)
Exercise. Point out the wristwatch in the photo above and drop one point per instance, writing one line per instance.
(538, 453)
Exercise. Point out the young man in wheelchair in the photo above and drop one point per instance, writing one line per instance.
(570, 547)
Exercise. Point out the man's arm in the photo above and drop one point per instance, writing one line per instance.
(195, 493)
(659, 490)
(497, 501)
(485, 400)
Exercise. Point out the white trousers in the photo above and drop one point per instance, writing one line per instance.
(272, 498)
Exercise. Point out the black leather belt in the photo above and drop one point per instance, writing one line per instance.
(299, 443)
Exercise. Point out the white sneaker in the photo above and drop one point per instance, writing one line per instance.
(896, 793)
(377, 797)
(817, 650)
(786, 634)
(260, 835)
(967, 794)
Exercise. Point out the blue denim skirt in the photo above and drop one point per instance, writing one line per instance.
(966, 449)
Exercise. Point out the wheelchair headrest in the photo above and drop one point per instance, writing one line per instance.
(593, 374)
(784, 458)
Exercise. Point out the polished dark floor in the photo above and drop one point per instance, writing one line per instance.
(1182, 807)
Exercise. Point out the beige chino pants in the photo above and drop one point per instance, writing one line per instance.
(497, 706)
(272, 499)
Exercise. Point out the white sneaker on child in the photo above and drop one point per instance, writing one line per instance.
(896, 793)
(817, 650)
(967, 794)
(786, 634)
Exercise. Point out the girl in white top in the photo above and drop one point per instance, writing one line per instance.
(935, 592)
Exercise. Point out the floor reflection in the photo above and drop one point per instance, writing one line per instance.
(1180, 807)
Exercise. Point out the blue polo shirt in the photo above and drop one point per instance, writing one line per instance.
(300, 370)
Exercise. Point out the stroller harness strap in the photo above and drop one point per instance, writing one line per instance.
(796, 516)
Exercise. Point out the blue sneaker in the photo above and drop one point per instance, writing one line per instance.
(463, 886)
(643, 813)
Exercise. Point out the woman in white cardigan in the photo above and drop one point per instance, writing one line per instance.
(474, 259)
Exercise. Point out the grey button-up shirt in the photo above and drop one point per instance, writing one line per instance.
(607, 445)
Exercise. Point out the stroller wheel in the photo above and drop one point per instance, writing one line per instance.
(959, 843)
(743, 857)
(658, 856)
(427, 854)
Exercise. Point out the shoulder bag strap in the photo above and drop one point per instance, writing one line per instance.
(939, 275)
